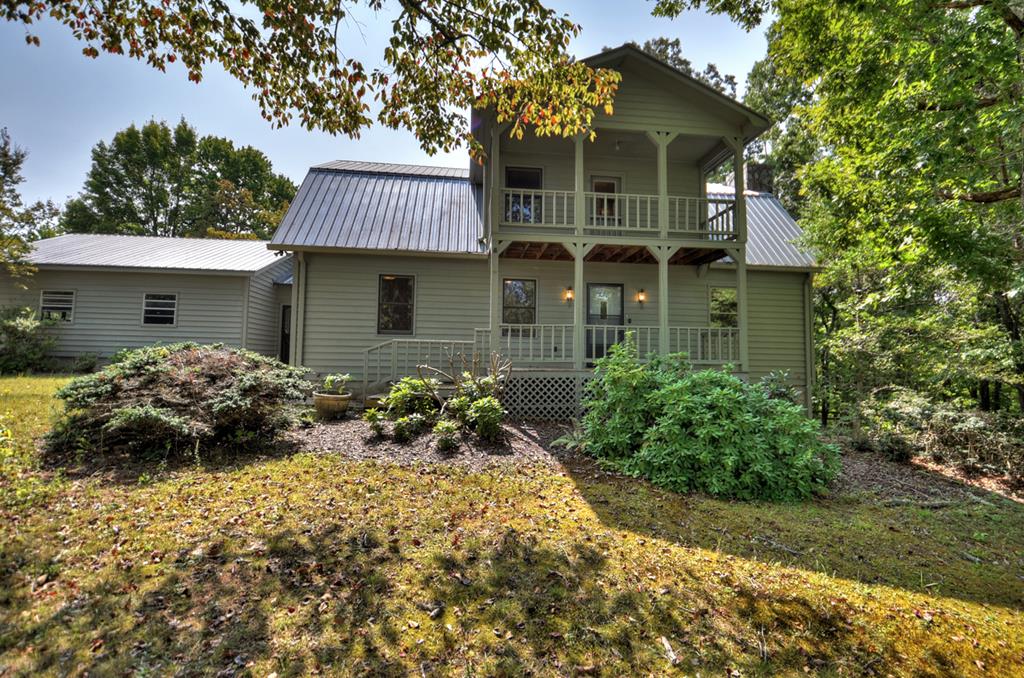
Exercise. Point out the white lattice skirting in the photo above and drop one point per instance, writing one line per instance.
(550, 395)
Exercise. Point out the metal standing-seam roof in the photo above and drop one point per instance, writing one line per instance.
(771, 231)
(381, 206)
(151, 252)
(378, 206)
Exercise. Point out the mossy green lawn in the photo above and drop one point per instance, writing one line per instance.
(294, 563)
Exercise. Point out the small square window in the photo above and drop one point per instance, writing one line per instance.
(723, 307)
(57, 305)
(396, 304)
(160, 309)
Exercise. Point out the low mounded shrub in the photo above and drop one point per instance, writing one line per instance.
(446, 434)
(25, 344)
(485, 417)
(702, 431)
(376, 419)
(412, 395)
(179, 398)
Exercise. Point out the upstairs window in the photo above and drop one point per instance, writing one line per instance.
(523, 202)
(396, 304)
(160, 309)
(723, 307)
(57, 305)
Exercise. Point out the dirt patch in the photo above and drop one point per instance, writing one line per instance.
(916, 482)
(522, 443)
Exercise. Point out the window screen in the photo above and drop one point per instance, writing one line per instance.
(395, 301)
(57, 305)
(160, 309)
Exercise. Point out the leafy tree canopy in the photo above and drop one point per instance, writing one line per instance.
(158, 180)
(19, 223)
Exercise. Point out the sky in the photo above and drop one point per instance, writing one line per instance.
(57, 104)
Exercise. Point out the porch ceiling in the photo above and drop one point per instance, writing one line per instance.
(612, 254)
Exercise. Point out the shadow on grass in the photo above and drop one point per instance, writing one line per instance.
(969, 549)
(215, 611)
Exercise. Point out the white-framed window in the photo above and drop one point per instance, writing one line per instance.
(57, 305)
(160, 308)
(524, 204)
(722, 307)
(396, 304)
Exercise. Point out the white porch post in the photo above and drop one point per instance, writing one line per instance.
(739, 179)
(579, 250)
(579, 199)
(663, 254)
(739, 255)
(495, 289)
(661, 141)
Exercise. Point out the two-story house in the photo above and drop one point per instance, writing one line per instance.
(554, 248)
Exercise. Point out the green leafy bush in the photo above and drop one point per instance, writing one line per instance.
(180, 397)
(25, 344)
(446, 434)
(702, 431)
(777, 385)
(408, 427)
(412, 395)
(485, 417)
(376, 419)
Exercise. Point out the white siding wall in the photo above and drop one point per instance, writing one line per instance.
(108, 308)
(452, 299)
(263, 323)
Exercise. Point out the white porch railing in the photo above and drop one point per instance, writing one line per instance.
(701, 218)
(620, 213)
(397, 358)
(630, 212)
(539, 208)
(706, 345)
(536, 343)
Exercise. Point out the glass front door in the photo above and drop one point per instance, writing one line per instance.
(604, 307)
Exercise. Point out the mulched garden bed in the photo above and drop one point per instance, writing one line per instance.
(523, 443)
(529, 443)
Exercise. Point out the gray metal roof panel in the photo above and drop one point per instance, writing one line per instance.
(394, 168)
(772, 233)
(377, 206)
(151, 252)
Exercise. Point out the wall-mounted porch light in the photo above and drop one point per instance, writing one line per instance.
(641, 296)
(568, 295)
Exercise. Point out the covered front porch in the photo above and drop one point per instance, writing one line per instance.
(565, 303)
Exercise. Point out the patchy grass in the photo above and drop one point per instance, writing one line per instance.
(311, 562)
(27, 407)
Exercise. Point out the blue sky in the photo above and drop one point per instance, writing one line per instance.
(57, 103)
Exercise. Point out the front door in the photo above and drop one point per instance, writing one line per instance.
(605, 208)
(284, 348)
(604, 307)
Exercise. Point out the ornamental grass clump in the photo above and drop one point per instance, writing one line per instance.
(704, 431)
(179, 398)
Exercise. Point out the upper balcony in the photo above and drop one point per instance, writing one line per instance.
(621, 214)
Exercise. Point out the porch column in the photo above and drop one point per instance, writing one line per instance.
(661, 141)
(497, 202)
(579, 250)
(494, 341)
(579, 199)
(739, 255)
(663, 253)
(739, 178)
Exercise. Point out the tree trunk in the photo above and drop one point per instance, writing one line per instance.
(997, 395)
(984, 396)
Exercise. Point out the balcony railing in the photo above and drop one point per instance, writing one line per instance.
(619, 213)
(535, 344)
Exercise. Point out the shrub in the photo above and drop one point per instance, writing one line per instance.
(25, 344)
(776, 385)
(446, 433)
(181, 397)
(616, 413)
(457, 407)
(376, 419)
(485, 416)
(408, 427)
(702, 431)
(412, 396)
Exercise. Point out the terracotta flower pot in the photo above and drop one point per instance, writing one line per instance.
(331, 405)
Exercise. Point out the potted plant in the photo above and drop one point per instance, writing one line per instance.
(333, 400)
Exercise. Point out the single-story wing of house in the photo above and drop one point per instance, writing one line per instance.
(110, 292)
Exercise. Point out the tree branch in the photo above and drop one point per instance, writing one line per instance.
(984, 102)
(984, 197)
